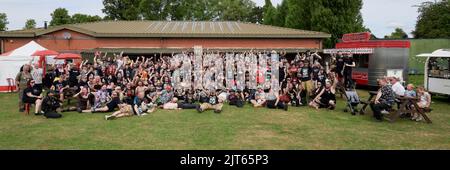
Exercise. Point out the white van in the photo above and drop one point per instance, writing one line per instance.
(437, 75)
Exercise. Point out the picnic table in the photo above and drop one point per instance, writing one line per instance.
(372, 94)
(403, 107)
(403, 103)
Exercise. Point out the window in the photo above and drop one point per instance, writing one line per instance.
(438, 67)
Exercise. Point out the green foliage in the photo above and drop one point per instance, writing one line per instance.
(335, 17)
(83, 18)
(3, 22)
(30, 24)
(256, 15)
(60, 16)
(433, 20)
(397, 34)
(122, 9)
(270, 13)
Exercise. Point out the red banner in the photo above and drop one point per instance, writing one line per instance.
(356, 37)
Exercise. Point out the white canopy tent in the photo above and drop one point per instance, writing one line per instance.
(11, 62)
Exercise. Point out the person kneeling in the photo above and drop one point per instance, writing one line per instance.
(213, 103)
(50, 104)
(326, 98)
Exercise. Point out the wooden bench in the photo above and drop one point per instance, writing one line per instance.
(403, 108)
(366, 103)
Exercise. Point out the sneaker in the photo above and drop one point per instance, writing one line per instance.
(384, 112)
(419, 119)
(106, 117)
(217, 111)
(92, 109)
(144, 114)
(37, 114)
(79, 110)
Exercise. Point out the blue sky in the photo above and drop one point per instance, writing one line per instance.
(381, 16)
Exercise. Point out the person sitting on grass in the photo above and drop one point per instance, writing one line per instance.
(101, 97)
(140, 104)
(32, 95)
(85, 99)
(383, 101)
(273, 101)
(326, 98)
(424, 102)
(109, 107)
(260, 98)
(236, 98)
(125, 110)
(60, 85)
(213, 103)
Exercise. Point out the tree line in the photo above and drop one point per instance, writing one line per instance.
(335, 17)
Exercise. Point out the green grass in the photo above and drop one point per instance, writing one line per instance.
(247, 128)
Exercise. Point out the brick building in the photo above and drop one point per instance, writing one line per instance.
(151, 37)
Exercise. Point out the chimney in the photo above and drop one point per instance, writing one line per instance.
(45, 24)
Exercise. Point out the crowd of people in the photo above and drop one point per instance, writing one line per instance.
(127, 86)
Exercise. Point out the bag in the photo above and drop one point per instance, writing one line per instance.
(52, 115)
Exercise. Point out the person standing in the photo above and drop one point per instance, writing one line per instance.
(22, 79)
(37, 75)
(349, 63)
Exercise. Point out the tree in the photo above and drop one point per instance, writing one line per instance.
(3, 22)
(234, 10)
(397, 34)
(30, 24)
(256, 15)
(334, 17)
(281, 14)
(269, 13)
(433, 20)
(60, 16)
(122, 9)
(83, 18)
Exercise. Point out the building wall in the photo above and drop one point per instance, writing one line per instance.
(79, 42)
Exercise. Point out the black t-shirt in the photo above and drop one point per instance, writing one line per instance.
(350, 62)
(59, 85)
(73, 74)
(305, 74)
(339, 65)
(113, 104)
(33, 90)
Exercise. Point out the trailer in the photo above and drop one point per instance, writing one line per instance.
(374, 59)
(437, 75)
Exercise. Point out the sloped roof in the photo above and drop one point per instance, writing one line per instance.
(200, 29)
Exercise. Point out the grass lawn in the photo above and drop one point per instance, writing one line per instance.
(247, 128)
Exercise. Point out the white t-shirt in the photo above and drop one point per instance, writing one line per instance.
(398, 89)
(37, 73)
